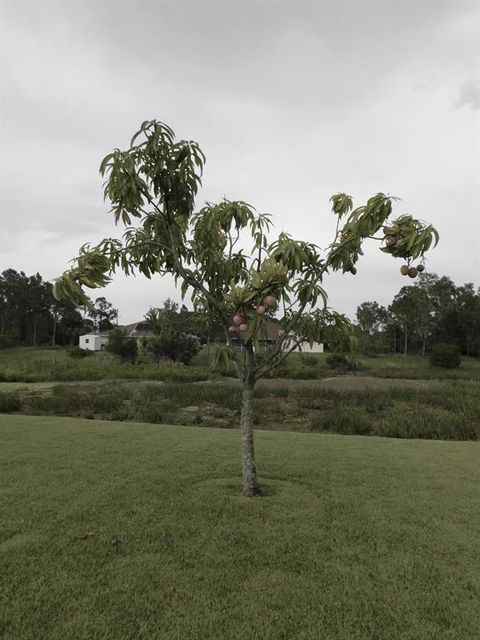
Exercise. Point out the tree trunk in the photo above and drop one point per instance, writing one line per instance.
(405, 350)
(249, 472)
(54, 333)
(34, 339)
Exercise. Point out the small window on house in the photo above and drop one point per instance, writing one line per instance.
(87, 340)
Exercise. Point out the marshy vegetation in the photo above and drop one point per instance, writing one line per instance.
(419, 401)
(441, 411)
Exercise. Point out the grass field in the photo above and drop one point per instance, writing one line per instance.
(417, 367)
(28, 364)
(120, 531)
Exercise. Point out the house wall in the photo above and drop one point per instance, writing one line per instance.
(305, 347)
(87, 342)
(92, 342)
(100, 342)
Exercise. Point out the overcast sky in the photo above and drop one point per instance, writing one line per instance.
(291, 102)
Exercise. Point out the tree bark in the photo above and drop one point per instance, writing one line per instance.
(249, 472)
(54, 333)
(34, 339)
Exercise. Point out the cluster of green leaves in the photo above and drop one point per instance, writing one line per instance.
(404, 237)
(323, 325)
(409, 238)
(92, 270)
(155, 171)
(214, 252)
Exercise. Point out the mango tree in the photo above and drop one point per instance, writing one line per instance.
(223, 257)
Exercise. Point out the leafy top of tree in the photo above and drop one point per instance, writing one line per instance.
(371, 316)
(103, 314)
(155, 182)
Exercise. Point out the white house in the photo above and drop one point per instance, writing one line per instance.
(305, 347)
(316, 347)
(98, 341)
(273, 332)
(93, 341)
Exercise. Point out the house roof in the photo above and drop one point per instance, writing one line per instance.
(140, 329)
(272, 331)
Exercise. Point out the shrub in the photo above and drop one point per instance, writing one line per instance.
(426, 423)
(179, 347)
(119, 344)
(345, 420)
(182, 374)
(77, 352)
(445, 355)
(302, 373)
(337, 361)
(309, 360)
(100, 400)
(9, 402)
(6, 342)
(295, 372)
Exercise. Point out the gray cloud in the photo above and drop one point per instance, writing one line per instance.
(470, 95)
(291, 102)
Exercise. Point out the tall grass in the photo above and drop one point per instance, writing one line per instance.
(54, 366)
(450, 414)
(416, 367)
(25, 364)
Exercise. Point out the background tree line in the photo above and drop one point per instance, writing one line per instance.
(433, 310)
(30, 315)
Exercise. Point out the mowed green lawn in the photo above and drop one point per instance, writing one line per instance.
(131, 531)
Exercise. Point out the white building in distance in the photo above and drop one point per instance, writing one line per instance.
(93, 341)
